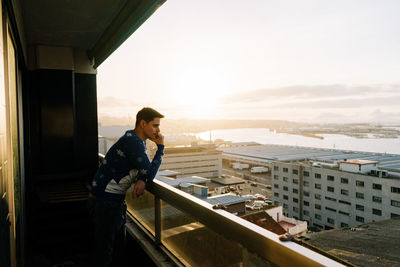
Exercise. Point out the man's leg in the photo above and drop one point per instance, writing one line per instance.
(108, 222)
(120, 240)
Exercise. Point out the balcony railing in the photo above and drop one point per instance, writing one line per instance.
(198, 235)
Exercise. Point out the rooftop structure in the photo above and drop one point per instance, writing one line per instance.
(370, 244)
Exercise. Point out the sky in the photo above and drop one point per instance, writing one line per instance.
(307, 61)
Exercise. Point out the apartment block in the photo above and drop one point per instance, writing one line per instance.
(337, 194)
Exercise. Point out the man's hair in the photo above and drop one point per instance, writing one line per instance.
(147, 114)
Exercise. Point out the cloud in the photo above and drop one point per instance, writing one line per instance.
(338, 103)
(301, 92)
(113, 102)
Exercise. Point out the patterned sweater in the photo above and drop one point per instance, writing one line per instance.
(125, 162)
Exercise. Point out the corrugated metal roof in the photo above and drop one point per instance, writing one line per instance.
(226, 200)
(267, 153)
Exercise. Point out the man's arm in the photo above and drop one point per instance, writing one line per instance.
(146, 170)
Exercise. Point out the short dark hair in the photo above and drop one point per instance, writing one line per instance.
(147, 114)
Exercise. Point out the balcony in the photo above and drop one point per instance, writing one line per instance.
(192, 233)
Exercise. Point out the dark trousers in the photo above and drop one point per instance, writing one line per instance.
(110, 235)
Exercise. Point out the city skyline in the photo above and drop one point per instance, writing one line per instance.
(316, 62)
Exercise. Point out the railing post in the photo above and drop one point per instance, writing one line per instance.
(157, 220)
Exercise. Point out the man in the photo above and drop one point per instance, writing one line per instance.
(125, 162)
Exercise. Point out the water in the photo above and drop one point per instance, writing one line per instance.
(336, 141)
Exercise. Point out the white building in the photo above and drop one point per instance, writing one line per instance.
(332, 197)
(202, 161)
(329, 188)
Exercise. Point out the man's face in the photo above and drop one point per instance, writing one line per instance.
(151, 128)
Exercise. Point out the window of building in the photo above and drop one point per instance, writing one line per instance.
(306, 212)
(377, 186)
(330, 199)
(295, 209)
(285, 179)
(296, 172)
(344, 192)
(276, 194)
(285, 197)
(295, 181)
(276, 203)
(359, 207)
(317, 206)
(330, 209)
(317, 175)
(394, 215)
(317, 186)
(344, 213)
(317, 196)
(285, 206)
(395, 189)
(276, 168)
(295, 191)
(395, 203)
(376, 199)
(319, 226)
(360, 183)
(359, 195)
(276, 186)
(306, 203)
(306, 183)
(330, 220)
(359, 219)
(306, 193)
(317, 216)
(345, 202)
(343, 225)
(285, 188)
(330, 189)
(285, 170)
(344, 180)
(377, 212)
(276, 177)
(330, 178)
(295, 200)
(306, 173)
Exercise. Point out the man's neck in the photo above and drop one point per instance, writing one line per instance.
(140, 134)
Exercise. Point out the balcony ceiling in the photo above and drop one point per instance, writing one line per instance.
(73, 23)
(97, 26)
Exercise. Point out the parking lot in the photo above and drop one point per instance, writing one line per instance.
(253, 184)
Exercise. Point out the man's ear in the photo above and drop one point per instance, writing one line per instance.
(142, 123)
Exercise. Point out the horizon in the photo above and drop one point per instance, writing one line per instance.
(319, 62)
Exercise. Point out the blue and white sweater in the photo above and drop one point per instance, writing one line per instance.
(125, 162)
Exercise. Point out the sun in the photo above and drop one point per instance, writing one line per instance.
(198, 90)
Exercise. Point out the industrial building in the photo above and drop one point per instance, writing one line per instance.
(330, 188)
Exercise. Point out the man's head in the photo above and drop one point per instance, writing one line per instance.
(148, 122)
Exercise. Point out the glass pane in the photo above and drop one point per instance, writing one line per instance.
(142, 208)
(197, 245)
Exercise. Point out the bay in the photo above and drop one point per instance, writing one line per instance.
(330, 141)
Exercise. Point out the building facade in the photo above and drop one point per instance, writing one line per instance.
(188, 161)
(328, 197)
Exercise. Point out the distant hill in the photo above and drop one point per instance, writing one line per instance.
(110, 127)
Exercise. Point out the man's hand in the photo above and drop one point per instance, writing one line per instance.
(158, 139)
(138, 189)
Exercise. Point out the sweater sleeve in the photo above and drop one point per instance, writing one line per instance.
(138, 159)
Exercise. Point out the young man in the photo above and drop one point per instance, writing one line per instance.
(126, 162)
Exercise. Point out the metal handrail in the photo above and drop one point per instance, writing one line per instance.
(256, 239)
